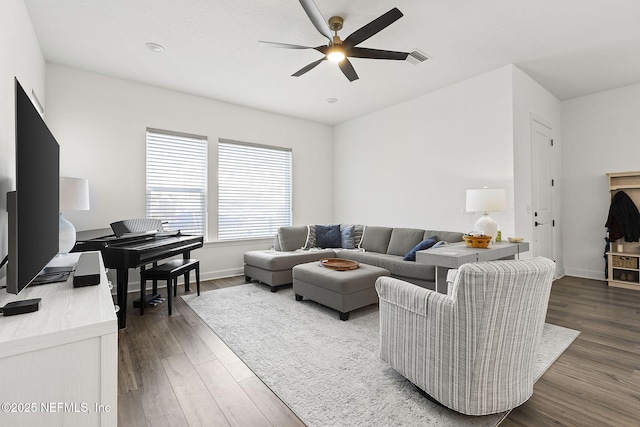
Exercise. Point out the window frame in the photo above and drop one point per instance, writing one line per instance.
(283, 217)
(184, 161)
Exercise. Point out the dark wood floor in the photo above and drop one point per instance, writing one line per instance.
(175, 371)
(596, 381)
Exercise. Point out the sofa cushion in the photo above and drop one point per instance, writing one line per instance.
(425, 244)
(376, 239)
(292, 238)
(447, 236)
(347, 240)
(396, 266)
(328, 236)
(277, 261)
(403, 240)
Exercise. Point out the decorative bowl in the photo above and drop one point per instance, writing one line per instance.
(481, 241)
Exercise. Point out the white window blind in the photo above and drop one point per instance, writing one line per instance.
(177, 180)
(254, 190)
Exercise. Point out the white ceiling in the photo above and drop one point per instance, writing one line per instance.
(571, 47)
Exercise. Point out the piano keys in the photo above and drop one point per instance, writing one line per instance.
(134, 251)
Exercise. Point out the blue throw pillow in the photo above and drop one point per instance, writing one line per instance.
(425, 244)
(347, 236)
(328, 236)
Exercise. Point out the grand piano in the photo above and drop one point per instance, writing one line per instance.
(133, 251)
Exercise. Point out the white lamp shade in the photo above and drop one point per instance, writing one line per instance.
(74, 194)
(486, 200)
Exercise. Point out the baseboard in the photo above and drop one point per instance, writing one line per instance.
(222, 274)
(134, 286)
(560, 272)
(585, 274)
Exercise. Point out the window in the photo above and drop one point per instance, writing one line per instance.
(254, 190)
(177, 180)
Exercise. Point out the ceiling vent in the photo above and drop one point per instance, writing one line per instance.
(416, 56)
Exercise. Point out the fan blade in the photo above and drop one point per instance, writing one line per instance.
(316, 18)
(284, 45)
(348, 70)
(363, 52)
(309, 67)
(373, 27)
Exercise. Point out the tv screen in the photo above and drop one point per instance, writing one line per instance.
(33, 207)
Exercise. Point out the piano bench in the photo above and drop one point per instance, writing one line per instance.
(169, 271)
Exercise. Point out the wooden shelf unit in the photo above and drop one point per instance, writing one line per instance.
(623, 266)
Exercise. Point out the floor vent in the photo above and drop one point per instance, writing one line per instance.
(416, 57)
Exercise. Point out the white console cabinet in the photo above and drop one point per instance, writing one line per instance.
(59, 365)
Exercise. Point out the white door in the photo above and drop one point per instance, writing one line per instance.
(542, 151)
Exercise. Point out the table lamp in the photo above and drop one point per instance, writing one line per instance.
(486, 200)
(74, 196)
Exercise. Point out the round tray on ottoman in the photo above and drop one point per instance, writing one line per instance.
(339, 264)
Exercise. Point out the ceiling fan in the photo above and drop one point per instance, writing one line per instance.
(338, 50)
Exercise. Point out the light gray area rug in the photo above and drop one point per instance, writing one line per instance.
(329, 371)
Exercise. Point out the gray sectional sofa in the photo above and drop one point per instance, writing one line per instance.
(383, 247)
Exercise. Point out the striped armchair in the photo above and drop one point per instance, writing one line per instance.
(474, 349)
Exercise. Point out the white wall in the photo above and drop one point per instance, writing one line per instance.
(100, 124)
(410, 164)
(532, 100)
(20, 57)
(601, 134)
(420, 150)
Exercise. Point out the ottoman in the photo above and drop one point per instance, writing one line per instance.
(343, 291)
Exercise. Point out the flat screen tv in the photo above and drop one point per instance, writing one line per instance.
(33, 207)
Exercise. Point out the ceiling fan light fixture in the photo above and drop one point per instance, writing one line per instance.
(336, 50)
(336, 54)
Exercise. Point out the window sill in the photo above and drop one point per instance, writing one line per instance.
(239, 242)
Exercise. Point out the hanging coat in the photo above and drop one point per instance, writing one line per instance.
(624, 218)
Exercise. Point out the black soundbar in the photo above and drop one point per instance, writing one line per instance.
(88, 270)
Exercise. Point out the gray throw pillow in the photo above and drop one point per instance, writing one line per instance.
(358, 232)
(311, 237)
(276, 243)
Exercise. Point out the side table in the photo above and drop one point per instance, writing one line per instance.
(454, 255)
